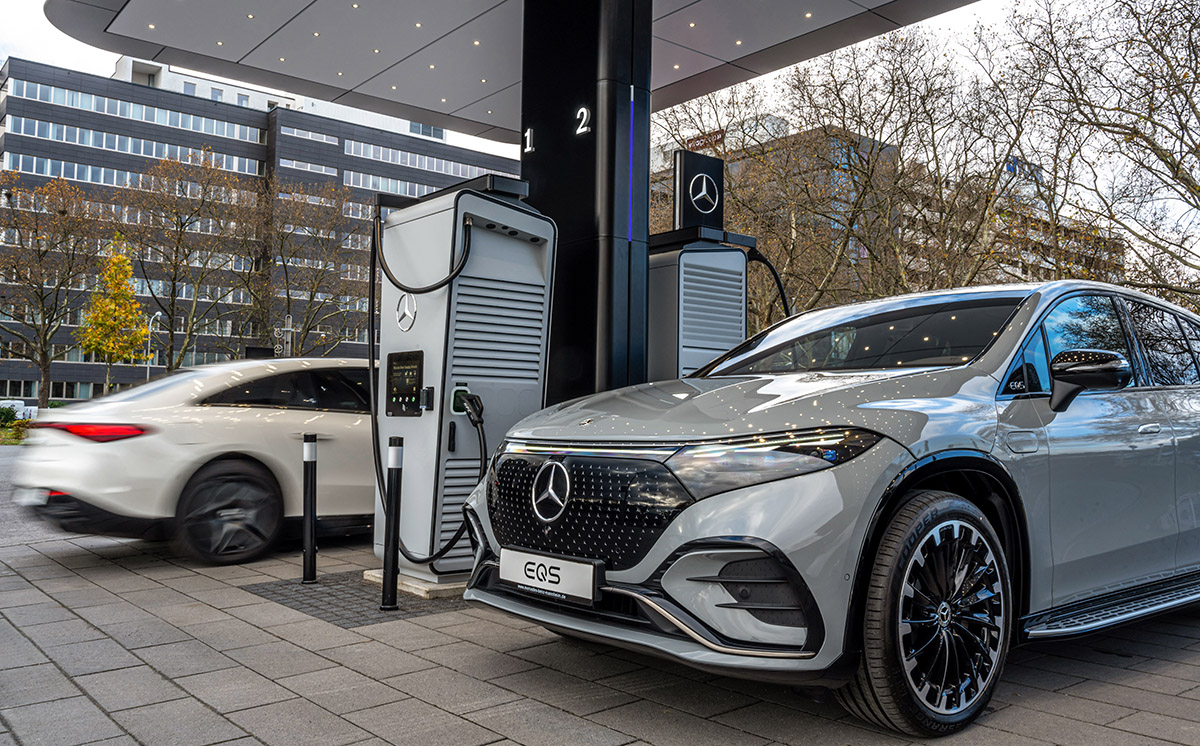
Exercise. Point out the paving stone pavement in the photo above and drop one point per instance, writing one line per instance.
(121, 642)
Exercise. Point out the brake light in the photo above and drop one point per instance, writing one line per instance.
(99, 433)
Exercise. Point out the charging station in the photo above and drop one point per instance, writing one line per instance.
(464, 313)
(697, 275)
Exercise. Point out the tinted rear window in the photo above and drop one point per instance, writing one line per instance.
(922, 335)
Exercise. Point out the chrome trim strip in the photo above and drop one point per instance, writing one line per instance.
(1035, 633)
(799, 654)
(656, 454)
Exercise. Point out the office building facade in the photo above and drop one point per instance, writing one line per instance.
(102, 134)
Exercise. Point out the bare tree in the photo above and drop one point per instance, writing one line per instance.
(303, 250)
(181, 219)
(49, 246)
(1124, 73)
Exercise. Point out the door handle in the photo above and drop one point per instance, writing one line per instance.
(1150, 428)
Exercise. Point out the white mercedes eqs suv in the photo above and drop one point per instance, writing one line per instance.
(880, 498)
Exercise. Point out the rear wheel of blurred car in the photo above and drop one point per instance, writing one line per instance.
(937, 619)
(230, 511)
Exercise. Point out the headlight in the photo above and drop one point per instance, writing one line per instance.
(719, 467)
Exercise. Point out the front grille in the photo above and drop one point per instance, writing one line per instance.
(616, 509)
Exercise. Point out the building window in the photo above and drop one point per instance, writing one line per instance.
(218, 94)
(309, 135)
(189, 88)
(417, 160)
(426, 131)
(305, 166)
(377, 183)
(136, 112)
(243, 100)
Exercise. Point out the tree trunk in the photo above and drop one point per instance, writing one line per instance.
(43, 396)
(107, 378)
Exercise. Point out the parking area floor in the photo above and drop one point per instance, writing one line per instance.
(122, 642)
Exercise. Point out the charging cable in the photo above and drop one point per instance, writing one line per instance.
(754, 255)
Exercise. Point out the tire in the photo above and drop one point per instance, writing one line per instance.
(229, 512)
(934, 639)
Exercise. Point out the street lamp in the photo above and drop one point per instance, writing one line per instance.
(149, 328)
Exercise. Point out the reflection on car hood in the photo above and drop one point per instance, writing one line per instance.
(696, 408)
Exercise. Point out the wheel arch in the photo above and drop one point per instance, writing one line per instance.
(975, 476)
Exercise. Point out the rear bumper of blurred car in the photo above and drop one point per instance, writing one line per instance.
(69, 513)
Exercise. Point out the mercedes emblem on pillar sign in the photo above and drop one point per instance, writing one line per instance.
(406, 311)
(551, 488)
(703, 193)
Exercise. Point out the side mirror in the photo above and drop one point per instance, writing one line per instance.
(1074, 371)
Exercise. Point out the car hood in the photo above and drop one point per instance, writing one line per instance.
(705, 408)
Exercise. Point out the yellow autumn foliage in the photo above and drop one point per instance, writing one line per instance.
(114, 328)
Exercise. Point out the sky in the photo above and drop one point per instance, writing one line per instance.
(25, 33)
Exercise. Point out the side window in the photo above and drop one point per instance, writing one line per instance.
(1085, 322)
(1167, 352)
(1031, 375)
(342, 390)
(1192, 330)
(293, 390)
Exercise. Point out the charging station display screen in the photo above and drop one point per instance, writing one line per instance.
(404, 383)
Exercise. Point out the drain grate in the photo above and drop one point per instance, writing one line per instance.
(346, 600)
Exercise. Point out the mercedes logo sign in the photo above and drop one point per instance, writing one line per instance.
(551, 488)
(406, 311)
(703, 193)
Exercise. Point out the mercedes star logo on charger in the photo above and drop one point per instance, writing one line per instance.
(703, 193)
(551, 488)
(406, 311)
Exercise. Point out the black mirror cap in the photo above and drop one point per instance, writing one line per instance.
(1075, 371)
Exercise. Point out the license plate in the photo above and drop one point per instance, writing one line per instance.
(29, 496)
(549, 576)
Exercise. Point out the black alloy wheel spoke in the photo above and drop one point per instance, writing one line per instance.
(951, 617)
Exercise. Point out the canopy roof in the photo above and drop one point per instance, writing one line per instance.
(457, 63)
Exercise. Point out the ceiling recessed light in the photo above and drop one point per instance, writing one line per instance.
(354, 5)
(339, 75)
(483, 80)
(376, 51)
(393, 88)
(443, 101)
(316, 33)
(692, 24)
(738, 42)
(281, 59)
(489, 111)
(418, 25)
(677, 67)
(220, 44)
(808, 15)
(249, 15)
(431, 67)
(150, 25)
(476, 42)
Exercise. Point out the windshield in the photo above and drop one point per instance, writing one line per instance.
(903, 333)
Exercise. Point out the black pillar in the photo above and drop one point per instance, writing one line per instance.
(585, 121)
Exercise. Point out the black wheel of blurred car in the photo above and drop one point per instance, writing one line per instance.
(229, 512)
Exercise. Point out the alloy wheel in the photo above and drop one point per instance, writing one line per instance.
(951, 617)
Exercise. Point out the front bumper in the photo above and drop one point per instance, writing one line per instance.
(678, 601)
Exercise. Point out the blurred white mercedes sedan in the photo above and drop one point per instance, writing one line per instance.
(210, 456)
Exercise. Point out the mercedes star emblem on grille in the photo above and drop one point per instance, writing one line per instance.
(703, 193)
(551, 488)
(406, 311)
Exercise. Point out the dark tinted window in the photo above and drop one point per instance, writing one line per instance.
(1032, 372)
(1167, 352)
(344, 390)
(1085, 322)
(946, 333)
(293, 390)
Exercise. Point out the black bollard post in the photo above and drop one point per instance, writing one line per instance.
(310, 508)
(391, 524)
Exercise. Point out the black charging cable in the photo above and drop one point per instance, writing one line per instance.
(754, 255)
